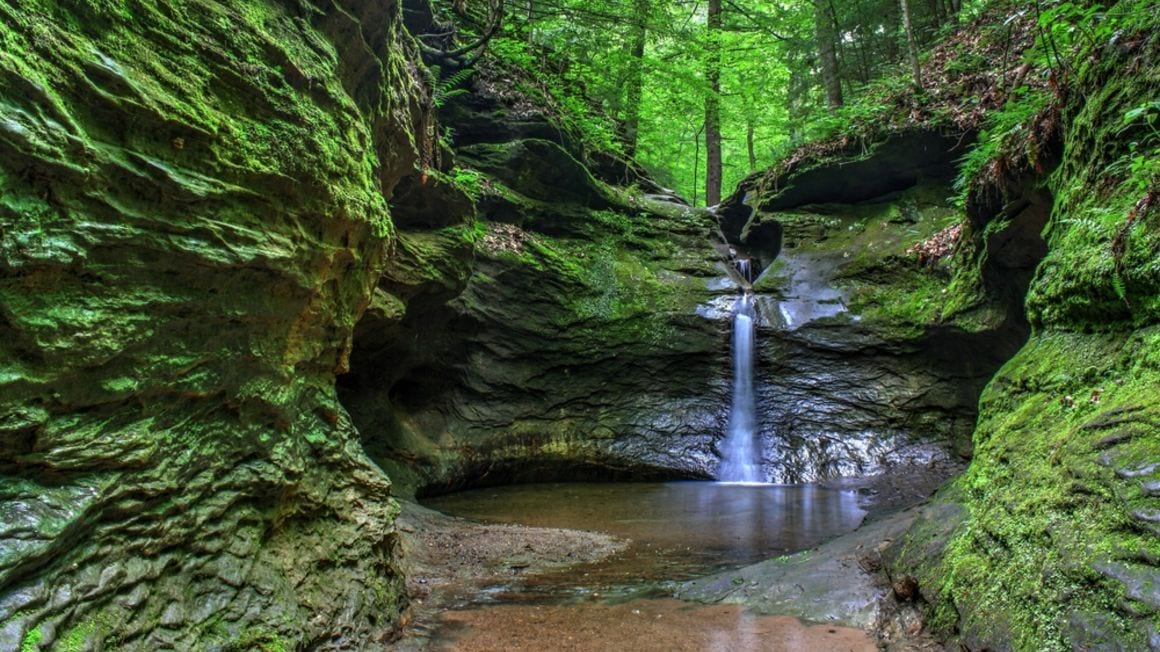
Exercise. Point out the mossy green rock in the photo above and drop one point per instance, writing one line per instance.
(1056, 544)
(192, 217)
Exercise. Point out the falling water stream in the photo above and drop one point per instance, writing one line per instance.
(740, 452)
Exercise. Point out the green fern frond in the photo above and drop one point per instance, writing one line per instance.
(445, 89)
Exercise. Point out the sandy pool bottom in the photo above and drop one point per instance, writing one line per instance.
(638, 625)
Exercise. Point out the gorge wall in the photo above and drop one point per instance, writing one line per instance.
(871, 356)
(1049, 541)
(193, 215)
(540, 323)
(553, 334)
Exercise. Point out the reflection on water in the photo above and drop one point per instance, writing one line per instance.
(678, 529)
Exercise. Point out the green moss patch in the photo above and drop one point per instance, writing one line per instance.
(1045, 504)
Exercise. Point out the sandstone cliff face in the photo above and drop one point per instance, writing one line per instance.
(193, 215)
(553, 326)
(195, 241)
(872, 352)
(556, 337)
(1049, 541)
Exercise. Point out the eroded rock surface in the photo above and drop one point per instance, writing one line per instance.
(1053, 541)
(565, 345)
(869, 357)
(193, 215)
(569, 329)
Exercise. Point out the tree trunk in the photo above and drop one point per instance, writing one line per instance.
(796, 107)
(635, 78)
(824, 31)
(912, 45)
(697, 162)
(863, 59)
(749, 129)
(713, 108)
(890, 36)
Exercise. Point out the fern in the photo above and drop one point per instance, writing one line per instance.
(1118, 287)
(1086, 223)
(445, 89)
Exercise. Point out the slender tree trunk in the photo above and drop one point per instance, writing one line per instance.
(912, 45)
(796, 103)
(845, 71)
(697, 162)
(749, 129)
(824, 31)
(635, 83)
(863, 59)
(713, 108)
(894, 23)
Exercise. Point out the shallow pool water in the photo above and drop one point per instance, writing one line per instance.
(677, 530)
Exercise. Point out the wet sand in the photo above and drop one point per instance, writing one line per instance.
(666, 625)
(451, 559)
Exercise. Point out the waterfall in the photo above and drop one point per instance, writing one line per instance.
(745, 268)
(740, 453)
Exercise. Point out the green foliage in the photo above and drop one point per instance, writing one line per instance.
(563, 94)
(472, 182)
(869, 110)
(1102, 270)
(448, 87)
(1068, 28)
(575, 58)
(1140, 164)
(31, 642)
(1006, 134)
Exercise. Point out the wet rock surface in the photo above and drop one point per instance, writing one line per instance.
(527, 343)
(528, 346)
(193, 214)
(833, 583)
(860, 368)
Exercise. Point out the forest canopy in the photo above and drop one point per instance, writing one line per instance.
(702, 92)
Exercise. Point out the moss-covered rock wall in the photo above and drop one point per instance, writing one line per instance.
(193, 215)
(1049, 541)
